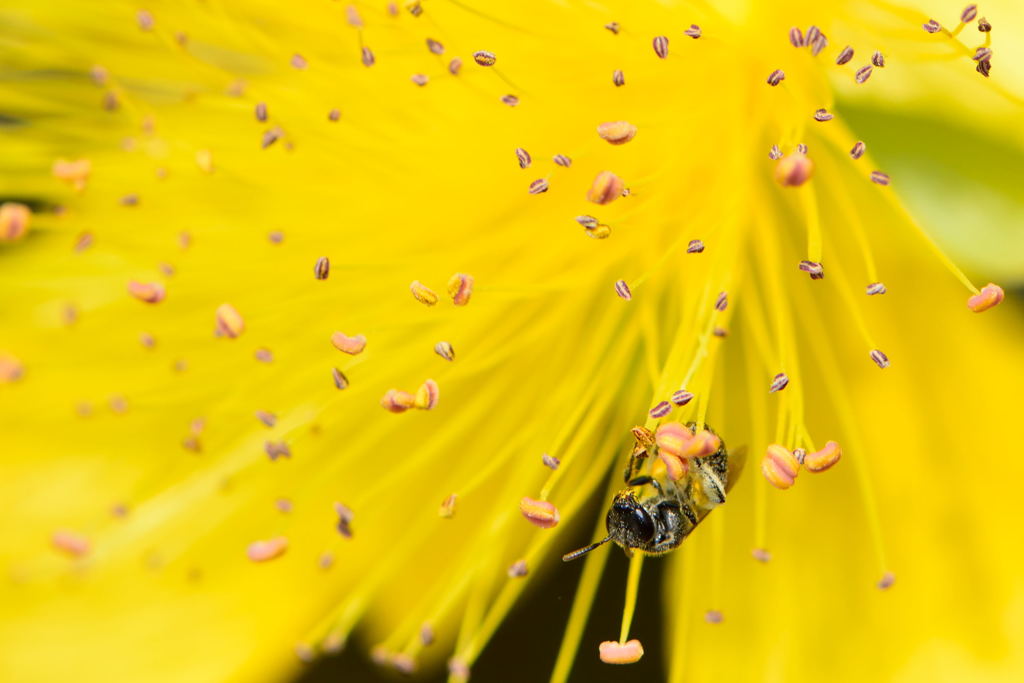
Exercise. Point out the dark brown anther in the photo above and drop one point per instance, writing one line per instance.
(845, 56)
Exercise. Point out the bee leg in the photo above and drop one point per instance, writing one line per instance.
(635, 458)
(645, 479)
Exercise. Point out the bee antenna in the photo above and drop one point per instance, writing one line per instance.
(569, 557)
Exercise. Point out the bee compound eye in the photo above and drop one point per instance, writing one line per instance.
(641, 525)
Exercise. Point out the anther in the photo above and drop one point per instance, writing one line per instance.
(275, 236)
(353, 346)
(540, 513)
(298, 61)
(614, 652)
(618, 78)
(435, 47)
(367, 57)
(681, 397)
(660, 409)
(693, 31)
(875, 288)
(455, 66)
(796, 37)
(720, 332)
(813, 268)
(858, 150)
(819, 461)
(150, 292)
(984, 67)
(714, 616)
(879, 178)
(622, 289)
(414, 8)
(878, 59)
(969, 13)
(147, 340)
(695, 247)
(445, 350)
(277, 449)
(820, 43)
(262, 551)
(673, 438)
(822, 115)
(523, 157)
(145, 19)
(447, 509)
(458, 669)
(617, 132)
(14, 221)
(800, 454)
(776, 77)
(333, 115)
(484, 58)
(426, 635)
(322, 268)
(518, 570)
(550, 461)
(352, 16)
(779, 382)
(704, 443)
(588, 222)
(270, 137)
(721, 301)
(422, 293)
(887, 580)
(989, 296)
(264, 355)
(420, 79)
(606, 188)
(460, 288)
(130, 200)
(510, 100)
(660, 44)
(562, 160)
(83, 242)
(11, 369)
(794, 170)
(266, 417)
(779, 466)
(70, 542)
(983, 25)
(982, 54)
(932, 26)
(340, 380)
(613, 26)
(397, 401)
(427, 395)
(863, 74)
(538, 186)
(845, 56)
(812, 34)
(881, 360)
(775, 153)
(801, 148)
(345, 517)
(283, 505)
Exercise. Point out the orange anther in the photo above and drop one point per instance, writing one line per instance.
(230, 322)
(673, 438)
(539, 512)
(819, 461)
(350, 345)
(460, 288)
(150, 292)
(14, 221)
(397, 401)
(989, 296)
(614, 652)
(427, 395)
(779, 466)
(794, 170)
(617, 132)
(70, 542)
(262, 551)
(606, 188)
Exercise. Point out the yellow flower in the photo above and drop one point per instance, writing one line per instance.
(317, 307)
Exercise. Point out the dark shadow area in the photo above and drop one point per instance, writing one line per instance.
(524, 649)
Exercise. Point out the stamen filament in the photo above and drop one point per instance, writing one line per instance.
(632, 589)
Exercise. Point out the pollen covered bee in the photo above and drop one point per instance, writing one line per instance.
(657, 522)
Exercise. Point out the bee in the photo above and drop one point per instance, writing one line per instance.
(658, 523)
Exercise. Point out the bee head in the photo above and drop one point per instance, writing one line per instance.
(629, 523)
